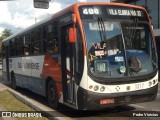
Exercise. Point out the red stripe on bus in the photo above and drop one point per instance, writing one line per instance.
(53, 70)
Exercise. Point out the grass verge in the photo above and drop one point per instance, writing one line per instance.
(10, 103)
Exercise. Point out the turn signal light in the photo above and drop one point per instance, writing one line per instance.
(90, 87)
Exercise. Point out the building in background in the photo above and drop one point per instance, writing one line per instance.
(153, 8)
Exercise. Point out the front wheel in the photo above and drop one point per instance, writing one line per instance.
(52, 94)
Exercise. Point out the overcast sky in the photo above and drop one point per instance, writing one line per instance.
(19, 14)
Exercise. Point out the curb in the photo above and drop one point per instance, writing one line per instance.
(53, 114)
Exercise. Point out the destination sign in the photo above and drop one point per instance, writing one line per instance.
(125, 12)
(112, 12)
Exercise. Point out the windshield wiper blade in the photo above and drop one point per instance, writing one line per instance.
(134, 63)
(102, 29)
(133, 33)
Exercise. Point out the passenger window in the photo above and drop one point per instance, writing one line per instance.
(50, 41)
(36, 41)
(19, 46)
(12, 47)
(3, 51)
(26, 42)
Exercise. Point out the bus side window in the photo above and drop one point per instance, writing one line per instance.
(3, 51)
(36, 41)
(50, 41)
(19, 46)
(12, 47)
(44, 39)
(26, 42)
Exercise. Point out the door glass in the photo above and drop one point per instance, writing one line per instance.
(67, 56)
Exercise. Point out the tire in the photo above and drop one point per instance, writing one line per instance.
(13, 81)
(52, 94)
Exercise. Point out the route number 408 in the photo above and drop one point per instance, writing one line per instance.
(90, 11)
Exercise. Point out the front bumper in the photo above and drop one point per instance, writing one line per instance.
(91, 101)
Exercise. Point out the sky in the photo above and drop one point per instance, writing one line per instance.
(20, 14)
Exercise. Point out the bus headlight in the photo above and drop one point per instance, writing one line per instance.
(102, 88)
(96, 88)
(150, 83)
(154, 81)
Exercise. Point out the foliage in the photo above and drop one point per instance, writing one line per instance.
(5, 33)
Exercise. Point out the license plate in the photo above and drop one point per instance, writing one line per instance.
(139, 86)
(106, 101)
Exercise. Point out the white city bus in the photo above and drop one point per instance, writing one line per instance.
(88, 56)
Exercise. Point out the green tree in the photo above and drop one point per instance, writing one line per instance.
(5, 33)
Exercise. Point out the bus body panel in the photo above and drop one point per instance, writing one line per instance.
(32, 72)
(52, 69)
(88, 100)
(119, 88)
(28, 72)
(84, 81)
(4, 69)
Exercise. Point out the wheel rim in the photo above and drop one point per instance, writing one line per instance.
(52, 94)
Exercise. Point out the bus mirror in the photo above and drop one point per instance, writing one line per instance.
(72, 35)
(74, 18)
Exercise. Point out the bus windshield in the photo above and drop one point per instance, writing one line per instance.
(119, 49)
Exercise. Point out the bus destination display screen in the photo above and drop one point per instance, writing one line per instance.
(111, 12)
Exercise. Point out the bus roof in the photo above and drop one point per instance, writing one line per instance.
(70, 8)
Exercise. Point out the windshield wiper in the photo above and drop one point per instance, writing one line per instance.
(102, 29)
(133, 64)
(133, 32)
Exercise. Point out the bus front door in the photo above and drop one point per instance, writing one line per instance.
(67, 55)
